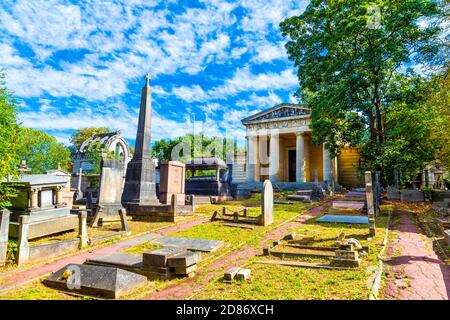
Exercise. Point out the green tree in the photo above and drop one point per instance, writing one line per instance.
(438, 103)
(350, 55)
(81, 135)
(42, 151)
(8, 140)
(95, 153)
(189, 146)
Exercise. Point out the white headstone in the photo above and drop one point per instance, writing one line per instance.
(267, 203)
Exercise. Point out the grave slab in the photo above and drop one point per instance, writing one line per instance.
(117, 259)
(97, 281)
(349, 204)
(158, 257)
(344, 219)
(184, 260)
(194, 244)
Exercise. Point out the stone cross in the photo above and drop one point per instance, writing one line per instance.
(267, 203)
(148, 78)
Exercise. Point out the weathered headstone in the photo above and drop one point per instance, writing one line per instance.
(82, 229)
(267, 204)
(393, 193)
(4, 230)
(92, 280)
(377, 193)
(110, 191)
(172, 180)
(23, 250)
(412, 196)
(370, 203)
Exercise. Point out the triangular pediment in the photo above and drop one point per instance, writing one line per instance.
(279, 112)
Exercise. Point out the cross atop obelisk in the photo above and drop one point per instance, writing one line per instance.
(148, 78)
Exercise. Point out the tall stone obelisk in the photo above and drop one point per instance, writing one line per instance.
(139, 186)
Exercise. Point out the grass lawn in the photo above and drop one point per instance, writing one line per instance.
(268, 281)
(283, 282)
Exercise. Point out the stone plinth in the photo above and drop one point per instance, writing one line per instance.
(172, 178)
(412, 196)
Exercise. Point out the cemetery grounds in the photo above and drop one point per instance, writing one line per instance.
(243, 248)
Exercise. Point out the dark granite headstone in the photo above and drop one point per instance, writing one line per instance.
(193, 244)
(98, 281)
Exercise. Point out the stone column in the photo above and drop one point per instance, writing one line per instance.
(82, 229)
(251, 158)
(327, 165)
(34, 198)
(59, 196)
(305, 159)
(23, 250)
(4, 230)
(274, 157)
(300, 161)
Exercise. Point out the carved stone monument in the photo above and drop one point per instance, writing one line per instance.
(109, 192)
(267, 203)
(139, 186)
(172, 181)
(139, 193)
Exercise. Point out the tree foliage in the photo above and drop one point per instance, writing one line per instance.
(189, 146)
(8, 140)
(81, 135)
(42, 151)
(351, 58)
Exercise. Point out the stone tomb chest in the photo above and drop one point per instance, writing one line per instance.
(40, 197)
(209, 177)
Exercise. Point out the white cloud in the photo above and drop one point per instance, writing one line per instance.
(269, 52)
(190, 94)
(261, 101)
(244, 80)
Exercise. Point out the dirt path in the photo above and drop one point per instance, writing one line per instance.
(415, 271)
(191, 286)
(15, 279)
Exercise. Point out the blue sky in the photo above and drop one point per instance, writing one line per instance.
(75, 64)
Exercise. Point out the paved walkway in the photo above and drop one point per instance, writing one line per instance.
(15, 279)
(239, 257)
(416, 272)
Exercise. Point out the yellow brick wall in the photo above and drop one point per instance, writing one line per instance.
(348, 162)
(315, 161)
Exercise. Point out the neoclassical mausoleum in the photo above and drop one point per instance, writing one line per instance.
(280, 148)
